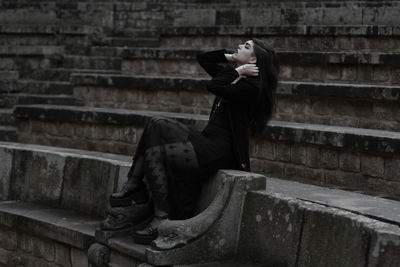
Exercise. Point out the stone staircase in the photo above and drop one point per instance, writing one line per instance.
(330, 153)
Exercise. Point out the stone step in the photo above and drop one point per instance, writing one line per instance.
(58, 74)
(125, 252)
(287, 37)
(131, 42)
(303, 13)
(294, 222)
(87, 177)
(107, 51)
(8, 75)
(356, 158)
(10, 100)
(8, 133)
(30, 50)
(54, 202)
(26, 57)
(37, 87)
(44, 34)
(53, 235)
(6, 117)
(90, 62)
(12, 61)
(70, 29)
(354, 67)
(310, 225)
(340, 104)
(138, 32)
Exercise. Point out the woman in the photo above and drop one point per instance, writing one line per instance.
(175, 158)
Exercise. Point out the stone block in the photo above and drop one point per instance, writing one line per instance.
(87, 185)
(79, 258)
(329, 232)
(270, 230)
(37, 177)
(6, 156)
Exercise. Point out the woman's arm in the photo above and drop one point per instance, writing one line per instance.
(209, 60)
(220, 85)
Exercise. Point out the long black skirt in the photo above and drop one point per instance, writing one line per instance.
(189, 157)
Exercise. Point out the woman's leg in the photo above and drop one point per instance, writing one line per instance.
(158, 130)
(157, 179)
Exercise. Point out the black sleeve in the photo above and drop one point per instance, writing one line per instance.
(241, 91)
(209, 60)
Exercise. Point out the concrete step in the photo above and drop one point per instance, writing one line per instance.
(36, 59)
(59, 74)
(37, 87)
(51, 234)
(29, 50)
(90, 62)
(338, 38)
(108, 51)
(10, 100)
(340, 104)
(44, 34)
(70, 29)
(55, 200)
(131, 41)
(6, 117)
(8, 75)
(125, 252)
(28, 57)
(309, 225)
(8, 133)
(304, 66)
(294, 222)
(356, 158)
(294, 13)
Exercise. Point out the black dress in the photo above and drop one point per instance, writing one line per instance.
(213, 145)
(190, 155)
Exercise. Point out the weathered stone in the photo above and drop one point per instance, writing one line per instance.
(82, 180)
(62, 254)
(79, 258)
(277, 224)
(43, 248)
(6, 156)
(37, 177)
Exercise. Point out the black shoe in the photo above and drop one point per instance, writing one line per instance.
(146, 235)
(134, 217)
(133, 190)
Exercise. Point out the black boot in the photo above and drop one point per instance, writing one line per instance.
(157, 179)
(150, 232)
(133, 190)
(135, 216)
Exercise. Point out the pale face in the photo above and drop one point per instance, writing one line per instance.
(243, 53)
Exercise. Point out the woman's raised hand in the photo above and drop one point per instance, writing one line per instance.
(248, 69)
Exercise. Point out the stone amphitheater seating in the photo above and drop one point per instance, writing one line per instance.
(77, 90)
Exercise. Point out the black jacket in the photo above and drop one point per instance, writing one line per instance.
(241, 98)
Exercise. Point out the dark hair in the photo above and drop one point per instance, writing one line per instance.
(268, 66)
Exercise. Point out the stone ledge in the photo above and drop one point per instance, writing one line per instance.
(68, 227)
(62, 178)
(286, 57)
(307, 30)
(156, 83)
(370, 140)
(296, 228)
(381, 209)
(99, 115)
(31, 50)
(70, 29)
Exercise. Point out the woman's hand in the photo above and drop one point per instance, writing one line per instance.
(247, 70)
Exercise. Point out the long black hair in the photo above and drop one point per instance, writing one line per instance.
(268, 71)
